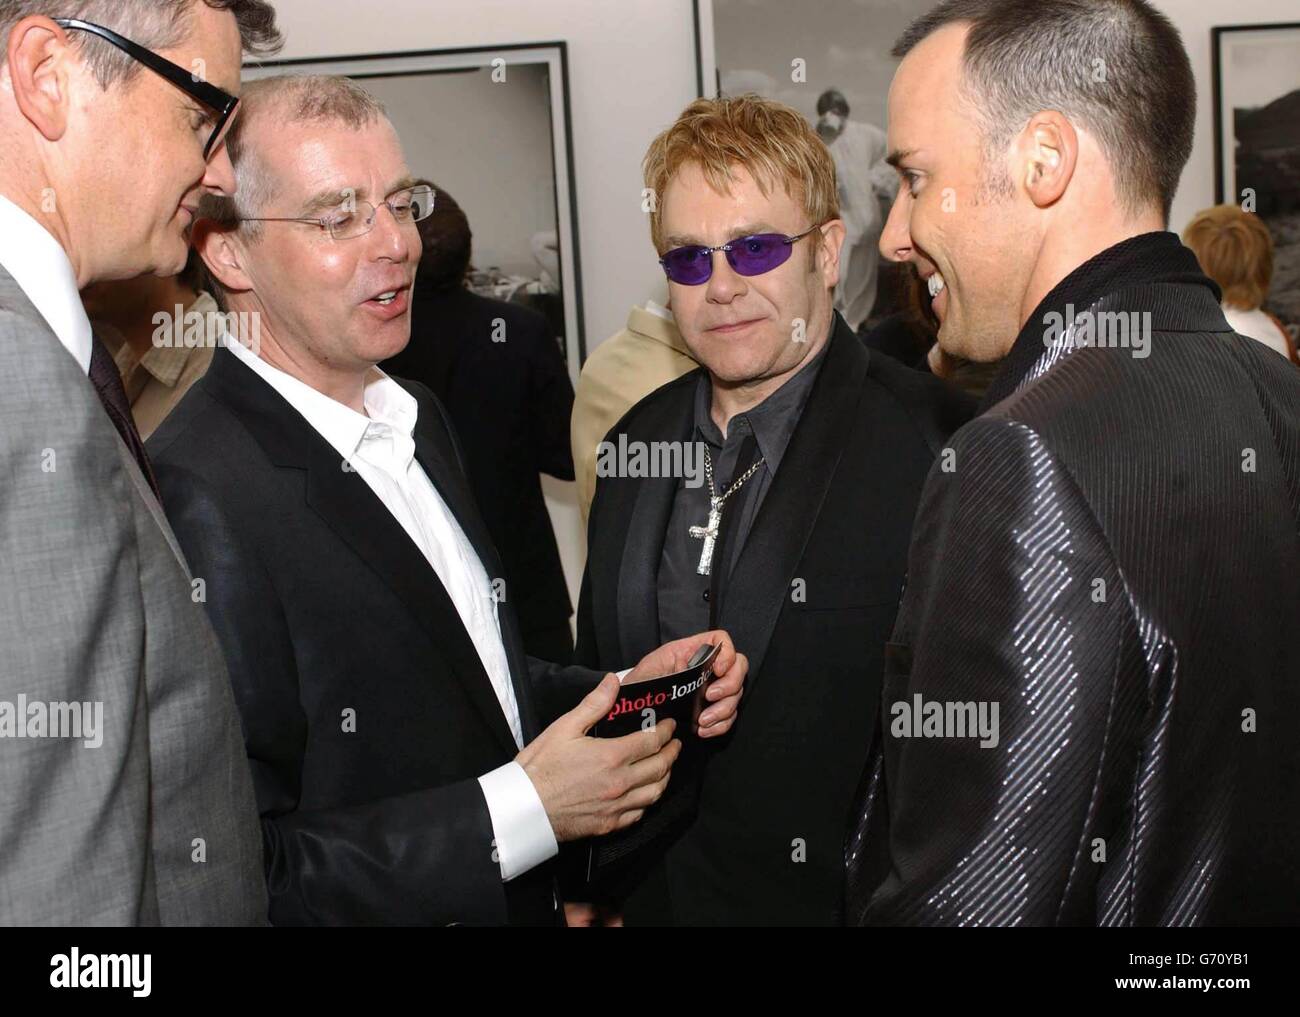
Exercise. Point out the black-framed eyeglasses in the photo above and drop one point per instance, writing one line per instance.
(692, 265)
(409, 205)
(222, 104)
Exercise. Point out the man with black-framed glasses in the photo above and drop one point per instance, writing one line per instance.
(125, 798)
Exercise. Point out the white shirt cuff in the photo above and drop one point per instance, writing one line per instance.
(522, 832)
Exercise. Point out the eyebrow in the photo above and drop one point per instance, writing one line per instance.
(331, 197)
(899, 155)
(747, 230)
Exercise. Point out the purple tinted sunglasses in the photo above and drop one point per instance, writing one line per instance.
(693, 265)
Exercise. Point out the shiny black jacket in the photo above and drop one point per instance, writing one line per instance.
(1112, 557)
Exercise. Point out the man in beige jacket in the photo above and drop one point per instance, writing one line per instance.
(620, 372)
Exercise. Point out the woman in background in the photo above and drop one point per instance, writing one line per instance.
(1236, 251)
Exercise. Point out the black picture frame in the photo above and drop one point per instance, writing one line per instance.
(553, 52)
(1218, 36)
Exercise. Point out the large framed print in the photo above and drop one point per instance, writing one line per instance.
(1257, 141)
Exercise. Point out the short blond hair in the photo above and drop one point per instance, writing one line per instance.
(1236, 251)
(773, 142)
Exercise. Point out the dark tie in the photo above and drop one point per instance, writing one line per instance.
(108, 383)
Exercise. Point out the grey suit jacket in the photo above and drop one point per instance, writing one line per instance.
(149, 818)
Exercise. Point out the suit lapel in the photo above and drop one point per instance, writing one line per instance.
(647, 517)
(345, 502)
(442, 466)
(759, 584)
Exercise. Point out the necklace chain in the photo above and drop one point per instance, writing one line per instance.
(735, 486)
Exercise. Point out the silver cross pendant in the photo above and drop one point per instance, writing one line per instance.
(709, 533)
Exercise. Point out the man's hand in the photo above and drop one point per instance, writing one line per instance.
(723, 693)
(594, 786)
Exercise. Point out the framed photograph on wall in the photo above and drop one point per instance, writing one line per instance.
(491, 127)
(832, 63)
(1257, 141)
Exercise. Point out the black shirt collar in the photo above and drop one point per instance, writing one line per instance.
(1147, 258)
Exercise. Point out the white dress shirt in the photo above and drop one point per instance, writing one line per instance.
(41, 268)
(379, 445)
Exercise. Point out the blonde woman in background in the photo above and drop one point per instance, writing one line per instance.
(1236, 251)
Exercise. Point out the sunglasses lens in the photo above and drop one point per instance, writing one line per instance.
(688, 266)
(759, 254)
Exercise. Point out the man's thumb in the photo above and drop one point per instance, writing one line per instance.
(596, 703)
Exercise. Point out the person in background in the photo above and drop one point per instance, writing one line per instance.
(501, 376)
(158, 361)
(862, 177)
(619, 373)
(1236, 251)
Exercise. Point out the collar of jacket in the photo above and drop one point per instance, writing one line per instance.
(356, 515)
(767, 561)
(1134, 275)
(658, 328)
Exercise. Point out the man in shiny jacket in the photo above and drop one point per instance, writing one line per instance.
(1091, 701)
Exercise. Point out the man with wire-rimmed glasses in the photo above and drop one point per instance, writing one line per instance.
(395, 725)
(124, 797)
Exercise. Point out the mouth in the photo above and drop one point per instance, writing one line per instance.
(388, 304)
(937, 288)
(735, 326)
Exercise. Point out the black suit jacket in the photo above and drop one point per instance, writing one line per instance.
(1114, 561)
(327, 611)
(836, 519)
(510, 403)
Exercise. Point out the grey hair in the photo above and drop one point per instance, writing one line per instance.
(1116, 67)
(291, 99)
(154, 24)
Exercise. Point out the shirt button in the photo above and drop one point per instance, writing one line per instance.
(706, 595)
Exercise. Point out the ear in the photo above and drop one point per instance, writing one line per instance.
(223, 254)
(1048, 150)
(831, 242)
(40, 61)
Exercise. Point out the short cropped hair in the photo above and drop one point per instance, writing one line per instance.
(773, 142)
(1236, 251)
(154, 24)
(1118, 67)
(291, 99)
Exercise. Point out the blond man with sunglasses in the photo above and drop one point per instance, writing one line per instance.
(814, 454)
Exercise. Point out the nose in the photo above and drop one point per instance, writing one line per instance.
(896, 237)
(725, 284)
(389, 238)
(219, 177)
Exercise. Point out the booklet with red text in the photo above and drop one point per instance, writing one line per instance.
(639, 707)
